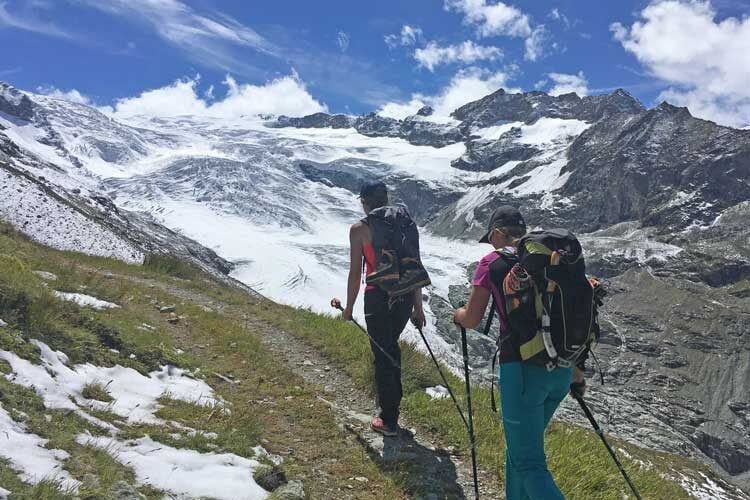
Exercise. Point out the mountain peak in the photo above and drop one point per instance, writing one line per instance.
(671, 109)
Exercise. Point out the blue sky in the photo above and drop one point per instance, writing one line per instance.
(355, 57)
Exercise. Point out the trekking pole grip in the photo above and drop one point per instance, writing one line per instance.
(336, 304)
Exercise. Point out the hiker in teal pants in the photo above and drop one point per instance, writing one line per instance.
(529, 394)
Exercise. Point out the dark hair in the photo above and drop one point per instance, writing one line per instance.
(377, 199)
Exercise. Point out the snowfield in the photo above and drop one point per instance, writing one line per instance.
(51, 222)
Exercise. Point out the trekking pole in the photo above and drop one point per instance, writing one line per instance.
(465, 350)
(336, 304)
(445, 380)
(576, 394)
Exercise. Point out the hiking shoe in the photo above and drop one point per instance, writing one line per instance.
(380, 427)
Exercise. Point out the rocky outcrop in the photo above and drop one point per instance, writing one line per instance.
(414, 129)
(15, 103)
(316, 120)
(485, 156)
(528, 107)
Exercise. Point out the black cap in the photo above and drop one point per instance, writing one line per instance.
(371, 189)
(504, 216)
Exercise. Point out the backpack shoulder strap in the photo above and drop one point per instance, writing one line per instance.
(490, 317)
(509, 259)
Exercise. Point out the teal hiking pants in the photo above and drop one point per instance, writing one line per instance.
(529, 396)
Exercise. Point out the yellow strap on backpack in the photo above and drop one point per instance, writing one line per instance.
(532, 347)
(534, 247)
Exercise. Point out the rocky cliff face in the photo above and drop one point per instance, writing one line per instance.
(414, 129)
(663, 167)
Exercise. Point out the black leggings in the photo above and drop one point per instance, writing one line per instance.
(385, 324)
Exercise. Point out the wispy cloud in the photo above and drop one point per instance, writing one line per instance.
(534, 44)
(409, 35)
(212, 39)
(342, 40)
(27, 19)
(215, 40)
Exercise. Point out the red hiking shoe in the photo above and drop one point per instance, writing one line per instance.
(380, 427)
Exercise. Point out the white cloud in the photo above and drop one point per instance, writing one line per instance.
(27, 20)
(208, 40)
(72, 95)
(433, 55)
(409, 35)
(400, 110)
(492, 19)
(286, 95)
(706, 60)
(342, 40)
(466, 86)
(565, 84)
(534, 44)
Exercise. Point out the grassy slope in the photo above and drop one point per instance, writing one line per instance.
(222, 342)
(270, 406)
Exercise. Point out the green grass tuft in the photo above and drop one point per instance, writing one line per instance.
(96, 391)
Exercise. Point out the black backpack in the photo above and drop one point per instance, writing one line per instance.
(550, 303)
(395, 238)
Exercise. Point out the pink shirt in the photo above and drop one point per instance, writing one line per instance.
(482, 279)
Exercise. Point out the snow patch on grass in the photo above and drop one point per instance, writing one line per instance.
(134, 395)
(84, 300)
(29, 456)
(182, 471)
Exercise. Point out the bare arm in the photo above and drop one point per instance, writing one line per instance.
(355, 269)
(471, 314)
